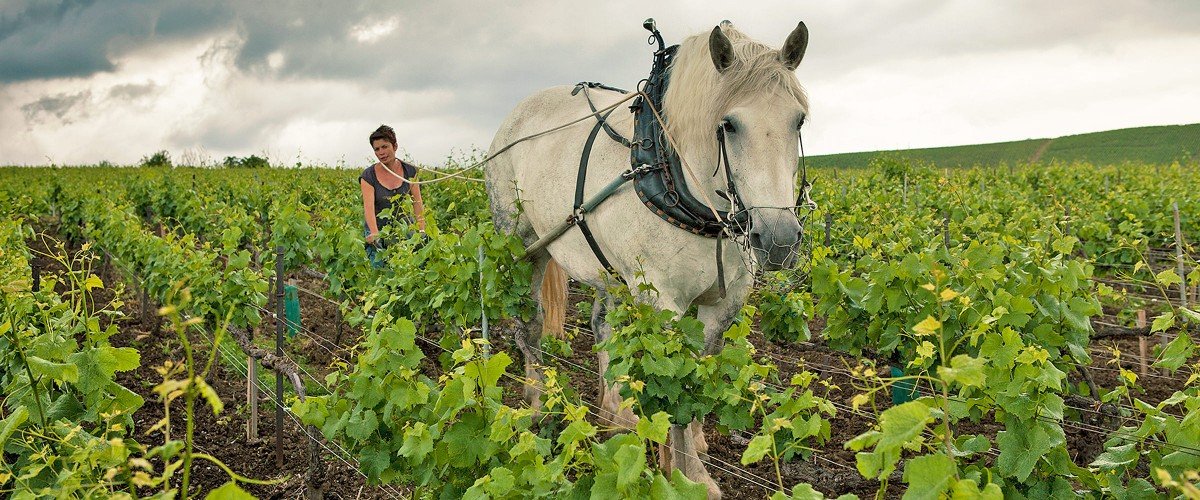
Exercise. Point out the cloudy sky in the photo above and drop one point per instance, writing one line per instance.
(84, 80)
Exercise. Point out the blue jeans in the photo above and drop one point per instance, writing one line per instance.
(373, 252)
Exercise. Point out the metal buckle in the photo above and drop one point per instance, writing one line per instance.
(805, 196)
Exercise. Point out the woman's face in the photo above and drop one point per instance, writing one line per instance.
(384, 150)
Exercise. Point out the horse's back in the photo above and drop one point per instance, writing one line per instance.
(542, 170)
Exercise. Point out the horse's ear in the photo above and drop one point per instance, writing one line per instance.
(793, 49)
(721, 49)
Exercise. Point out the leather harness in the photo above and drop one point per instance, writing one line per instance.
(656, 170)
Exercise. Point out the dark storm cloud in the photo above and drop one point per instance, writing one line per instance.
(457, 43)
(65, 107)
(435, 44)
(78, 38)
(478, 59)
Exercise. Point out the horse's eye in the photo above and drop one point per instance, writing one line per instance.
(728, 126)
(801, 124)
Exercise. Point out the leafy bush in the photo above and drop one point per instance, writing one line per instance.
(252, 161)
(159, 159)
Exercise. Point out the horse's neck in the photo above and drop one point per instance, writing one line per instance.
(698, 176)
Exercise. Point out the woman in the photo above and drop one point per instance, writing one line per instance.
(381, 183)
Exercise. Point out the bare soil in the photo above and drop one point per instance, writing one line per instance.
(223, 436)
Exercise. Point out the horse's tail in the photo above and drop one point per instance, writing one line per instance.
(554, 299)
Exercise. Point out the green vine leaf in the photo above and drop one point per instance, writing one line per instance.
(654, 428)
(1177, 353)
(928, 477)
(1022, 445)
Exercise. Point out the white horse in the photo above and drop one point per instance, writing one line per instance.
(717, 79)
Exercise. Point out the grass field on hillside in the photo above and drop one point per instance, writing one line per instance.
(1154, 145)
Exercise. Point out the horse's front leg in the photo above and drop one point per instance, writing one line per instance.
(716, 319)
(688, 447)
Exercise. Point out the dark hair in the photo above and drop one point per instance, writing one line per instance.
(384, 132)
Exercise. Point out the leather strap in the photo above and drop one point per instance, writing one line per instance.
(584, 86)
(720, 267)
(580, 180)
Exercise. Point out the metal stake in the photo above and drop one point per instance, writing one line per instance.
(252, 392)
(1143, 345)
(487, 347)
(279, 315)
(1183, 298)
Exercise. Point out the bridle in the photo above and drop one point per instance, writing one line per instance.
(739, 224)
(803, 196)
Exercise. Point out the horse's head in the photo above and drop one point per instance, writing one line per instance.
(748, 93)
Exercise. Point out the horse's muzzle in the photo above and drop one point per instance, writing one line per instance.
(776, 241)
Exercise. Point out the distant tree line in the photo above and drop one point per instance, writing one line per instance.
(163, 159)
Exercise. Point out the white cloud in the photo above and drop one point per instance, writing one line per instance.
(1030, 93)
(109, 128)
(371, 31)
(276, 60)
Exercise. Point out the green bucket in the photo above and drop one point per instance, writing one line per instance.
(903, 391)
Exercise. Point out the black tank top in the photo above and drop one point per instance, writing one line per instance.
(383, 195)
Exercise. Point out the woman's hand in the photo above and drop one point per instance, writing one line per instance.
(372, 238)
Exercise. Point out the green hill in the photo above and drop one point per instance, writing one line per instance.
(1154, 145)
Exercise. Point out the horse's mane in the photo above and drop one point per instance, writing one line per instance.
(698, 95)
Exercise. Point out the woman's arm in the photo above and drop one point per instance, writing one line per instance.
(368, 194)
(418, 205)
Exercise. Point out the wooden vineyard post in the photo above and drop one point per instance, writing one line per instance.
(946, 229)
(1143, 343)
(252, 392)
(279, 315)
(906, 188)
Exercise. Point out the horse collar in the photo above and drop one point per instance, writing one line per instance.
(658, 172)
